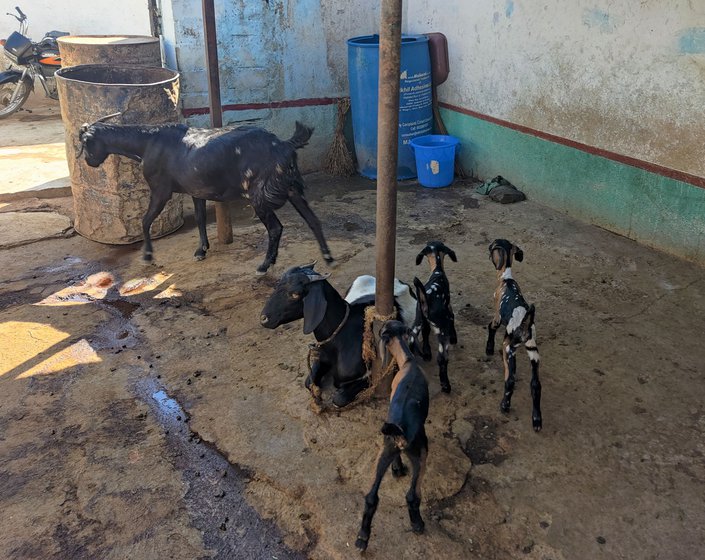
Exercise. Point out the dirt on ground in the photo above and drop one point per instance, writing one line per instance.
(145, 413)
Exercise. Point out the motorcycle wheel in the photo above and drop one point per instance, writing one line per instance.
(7, 106)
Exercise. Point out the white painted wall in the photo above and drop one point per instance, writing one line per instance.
(623, 76)
(79, 17)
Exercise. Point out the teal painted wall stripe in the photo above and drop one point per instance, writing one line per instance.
(648, 207)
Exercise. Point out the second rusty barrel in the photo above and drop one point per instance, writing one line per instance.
(110, 200)
(140, 50)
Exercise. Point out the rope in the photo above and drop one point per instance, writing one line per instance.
(369, 355)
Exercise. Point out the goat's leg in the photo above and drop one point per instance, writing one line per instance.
(157, 200)
(491, 331)
(413, 496)
(398, 467)
(442, 360)
(199, 207)
(510, 363)
(533, 352)
(304, 210)
(426, 344)
(346, 394)
(318, 370)
(386, 457)
(274, 231)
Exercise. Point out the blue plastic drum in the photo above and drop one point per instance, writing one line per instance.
(415, 100)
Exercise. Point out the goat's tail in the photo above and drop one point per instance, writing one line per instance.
(394, 431)
(301, 136)
(389, 429)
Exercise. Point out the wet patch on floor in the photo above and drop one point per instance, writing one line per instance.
(216, 497)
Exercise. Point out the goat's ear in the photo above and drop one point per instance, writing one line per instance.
(419, 258)
(421, 295)
(498, 256)
(451, 254)
(315, 305)
(518, 254)
(383, 353)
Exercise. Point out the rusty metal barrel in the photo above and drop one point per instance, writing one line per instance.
(139, 50)
(110, 200)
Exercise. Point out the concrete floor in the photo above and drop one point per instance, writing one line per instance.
(144, 413)
(32, 151)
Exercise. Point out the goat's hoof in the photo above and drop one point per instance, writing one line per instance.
(418, 528)
(200, 257)
(489, 351)
(445, 388)
(426, 355)
(399, 472)
(361, 544)
(538, 424)
(147, 257)
(505, 406)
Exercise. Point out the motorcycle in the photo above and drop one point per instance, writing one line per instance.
(29, 62)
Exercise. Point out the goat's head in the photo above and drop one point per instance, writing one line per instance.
(91, 144)
(390, 331)
(434, 251)
(502, 252)
(298, 294)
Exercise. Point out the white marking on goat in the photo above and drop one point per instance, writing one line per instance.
(436, 330)
(440, 348)
(507, 274)
(517, 317)
(238, 151)
(533, 355)
(279, 169)
(248, 173)
(195, 140)
(245, 185)
(365, 285)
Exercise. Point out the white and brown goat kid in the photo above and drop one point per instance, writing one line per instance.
(404, 429)
(517, 316)
(434, 309)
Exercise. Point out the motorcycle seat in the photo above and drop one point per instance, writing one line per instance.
(55, 34)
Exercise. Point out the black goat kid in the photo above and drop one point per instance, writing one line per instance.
(512, 311)
(219, 164)
(434, 309)
(404, 430)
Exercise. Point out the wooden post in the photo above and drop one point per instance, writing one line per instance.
(222, 210)
(387, 147)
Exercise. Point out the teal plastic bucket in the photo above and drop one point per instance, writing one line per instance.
(435, 159)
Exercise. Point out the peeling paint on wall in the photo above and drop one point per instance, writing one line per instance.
(692, 41)
(600, 20)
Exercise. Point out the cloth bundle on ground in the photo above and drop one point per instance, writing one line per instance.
(500, 190)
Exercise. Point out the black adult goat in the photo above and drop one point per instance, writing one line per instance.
(218, 164)
(337, 324)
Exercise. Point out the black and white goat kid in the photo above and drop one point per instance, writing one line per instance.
(337, 323)
(211, 164)
(404, 430)
(434, 308)
(512, 311)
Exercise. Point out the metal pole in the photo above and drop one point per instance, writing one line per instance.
(387, 146)
(222, 210)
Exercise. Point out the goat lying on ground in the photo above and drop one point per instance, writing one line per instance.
(219, 164)
(403, 431)
(512, 311)
(336, 323)
(435, 309)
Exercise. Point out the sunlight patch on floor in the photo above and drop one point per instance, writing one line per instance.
(79, 353)
(22, 341)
